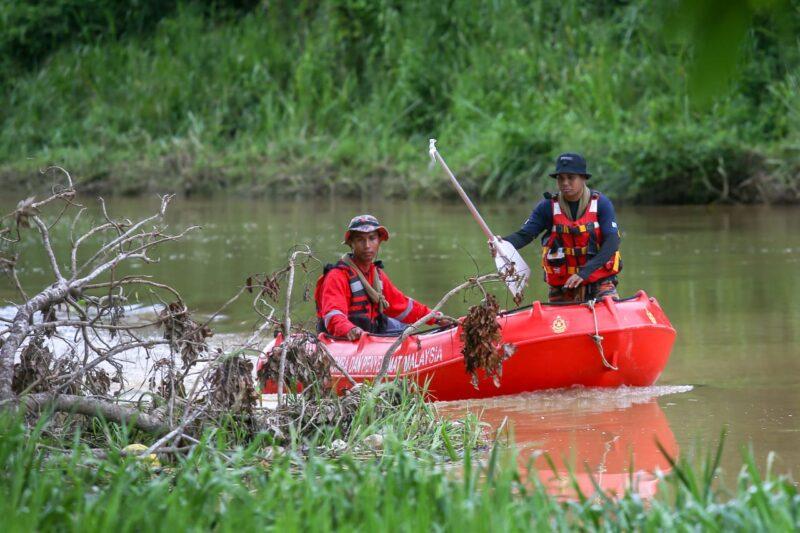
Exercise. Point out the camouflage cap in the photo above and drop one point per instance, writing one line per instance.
(365, 224)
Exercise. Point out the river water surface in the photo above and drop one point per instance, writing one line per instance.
(725, 276)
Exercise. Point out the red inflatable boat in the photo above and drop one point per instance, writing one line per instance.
(612, 343)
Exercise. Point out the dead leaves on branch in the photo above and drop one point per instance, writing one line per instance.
(231, 379)
(98, 383)
(39, 370)
(186, 337)
(480, 335)
(35, 367)
(49, 315)
(165, 380)
(232, 387)
(267, 284)
(184, 334)
(306, 363)
(24, 211)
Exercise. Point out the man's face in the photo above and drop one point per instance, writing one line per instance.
(571, 185)
(365, 245)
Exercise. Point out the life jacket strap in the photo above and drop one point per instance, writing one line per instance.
(576, 252)
(374, 290)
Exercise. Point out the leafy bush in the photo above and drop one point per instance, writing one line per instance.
(283, 97)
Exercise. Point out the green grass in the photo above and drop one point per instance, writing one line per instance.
(402, 490)
(396, 410)
(340, 96)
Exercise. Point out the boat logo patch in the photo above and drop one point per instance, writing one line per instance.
(650, 316)
(559, 325)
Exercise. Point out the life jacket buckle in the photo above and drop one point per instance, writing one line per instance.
(556, 256)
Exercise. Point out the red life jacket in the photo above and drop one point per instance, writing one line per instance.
(359, 306)
(572, 243)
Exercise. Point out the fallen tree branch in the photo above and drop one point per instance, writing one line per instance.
(72, 290)
(48, 247)
(175, 432)
(128, 235)
(95, 408)
(287, 319)
(334, 362)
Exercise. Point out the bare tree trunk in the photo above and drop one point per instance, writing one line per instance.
(19, 330)
(82, 405)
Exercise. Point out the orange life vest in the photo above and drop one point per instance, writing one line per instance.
(572, 243)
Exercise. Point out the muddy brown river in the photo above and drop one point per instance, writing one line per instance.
(727, 277)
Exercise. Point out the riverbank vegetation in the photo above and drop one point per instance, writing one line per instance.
(49, 483)
(340, 97)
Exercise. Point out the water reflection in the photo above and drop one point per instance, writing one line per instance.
(606, 438)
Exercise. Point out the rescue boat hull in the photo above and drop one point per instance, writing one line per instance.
(609, 344)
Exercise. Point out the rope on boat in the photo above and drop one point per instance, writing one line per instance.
(597, 338)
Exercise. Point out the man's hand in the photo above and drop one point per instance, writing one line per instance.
(446, 321)
(355, 333)
(492, 249)
(573, 282)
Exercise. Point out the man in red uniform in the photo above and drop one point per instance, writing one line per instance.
(355, 295)
(580, 255)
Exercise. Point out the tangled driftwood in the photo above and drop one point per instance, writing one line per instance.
(309, 414)
(305, 363)
(192, 385)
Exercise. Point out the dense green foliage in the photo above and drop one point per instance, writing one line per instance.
(63, 486)
(342, 95)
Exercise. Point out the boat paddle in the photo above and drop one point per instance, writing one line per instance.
(510, 265)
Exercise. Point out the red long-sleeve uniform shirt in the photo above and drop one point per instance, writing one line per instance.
(334, 300)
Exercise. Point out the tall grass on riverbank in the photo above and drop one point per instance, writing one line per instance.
(341, 96)
(61, 485)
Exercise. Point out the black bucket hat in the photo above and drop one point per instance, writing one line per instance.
(570, 163)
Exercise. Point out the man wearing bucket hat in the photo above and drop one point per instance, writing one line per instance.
(355, 295)
(580, 255)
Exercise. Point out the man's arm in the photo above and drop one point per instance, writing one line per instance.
(541, 218)
(607, 219)
(401, 307)
(333, 303)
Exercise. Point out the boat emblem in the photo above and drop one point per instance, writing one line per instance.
(650, 316)
(559, 325)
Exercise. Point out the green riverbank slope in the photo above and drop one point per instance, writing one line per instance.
(340, 96)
